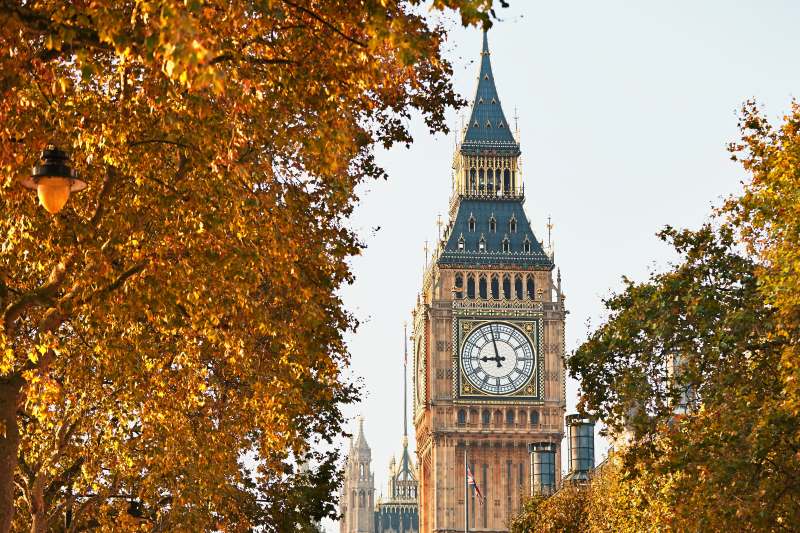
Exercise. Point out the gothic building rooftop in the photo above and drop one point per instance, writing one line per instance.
(493, 231)
(488, 130)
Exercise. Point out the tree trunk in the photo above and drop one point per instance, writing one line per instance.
(10, 388)
(38, 507)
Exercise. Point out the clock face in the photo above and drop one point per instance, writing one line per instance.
(497, 358)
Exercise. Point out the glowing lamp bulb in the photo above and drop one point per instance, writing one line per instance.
(53, 193)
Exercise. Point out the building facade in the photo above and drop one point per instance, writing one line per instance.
(357, 495)
(399, 511)
(488, 334)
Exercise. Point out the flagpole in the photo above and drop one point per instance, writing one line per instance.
(466, 493)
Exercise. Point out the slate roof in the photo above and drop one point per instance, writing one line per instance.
(488, 130)
(503, 210)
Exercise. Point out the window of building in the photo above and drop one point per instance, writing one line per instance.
(534, 418)
(506, 245)
(510, 417)
(471, 222)
(482, 244)
(529, 287)
(495, 288)
(462, 417)
(506, 287)
(518, 290)
(485, 417)
(526, 245)
(507, 181)
(458, 285)
(470, 287)
(482, 287)
(492, 224)
(512, 224)
(461, 242)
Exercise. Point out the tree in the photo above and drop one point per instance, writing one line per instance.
(563, 511)
(768, 218)
(183, 313)
(714, 448)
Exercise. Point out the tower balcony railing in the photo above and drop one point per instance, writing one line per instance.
(487, 193)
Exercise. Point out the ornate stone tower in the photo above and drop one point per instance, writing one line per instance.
(400, 512)
(357, 496)
(488, 335)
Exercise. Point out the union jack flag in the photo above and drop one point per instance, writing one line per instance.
(471, 481)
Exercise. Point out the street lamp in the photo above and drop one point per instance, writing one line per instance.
(53, 179)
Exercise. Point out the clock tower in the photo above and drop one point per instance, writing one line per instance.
(488, 336)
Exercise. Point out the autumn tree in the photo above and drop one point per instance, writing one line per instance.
(171, 342)
(768, 218)
(689, 362)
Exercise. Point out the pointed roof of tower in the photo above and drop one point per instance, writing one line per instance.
(361, 441)
(488, 130)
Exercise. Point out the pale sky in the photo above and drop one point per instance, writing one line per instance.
(625, 109)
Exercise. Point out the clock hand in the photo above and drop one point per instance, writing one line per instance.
(496, 354)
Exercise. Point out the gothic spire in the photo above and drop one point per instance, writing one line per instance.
(488, 130)
(361, 441)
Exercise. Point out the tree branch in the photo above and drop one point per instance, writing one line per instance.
(325, 23)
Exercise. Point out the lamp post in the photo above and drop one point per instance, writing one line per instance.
(53, 179)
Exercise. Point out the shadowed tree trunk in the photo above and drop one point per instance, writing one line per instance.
(9, 443)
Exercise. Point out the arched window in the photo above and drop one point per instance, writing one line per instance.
(472, 180)
(507, 181)
(482, 244)
(506, 287)
(523, 417)
(489, 180)
(534, 418)
(361, 499)
(485, 417)
(518, 290)
(498, 417)
(512, 224)
(492, 224)
(471, 287)
(495, 288)
(526, 245)
(506, 245)
(458, 284)
(461, 242)
(482, 287)
(471, 222)
(529, 287)
(481, 184)
(510, 417)
(462, 417)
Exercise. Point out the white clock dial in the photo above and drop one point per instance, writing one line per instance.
(497, 358)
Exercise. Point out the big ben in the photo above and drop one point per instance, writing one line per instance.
(488, 335)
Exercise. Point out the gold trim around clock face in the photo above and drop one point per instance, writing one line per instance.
(464, 391)
(475, 369)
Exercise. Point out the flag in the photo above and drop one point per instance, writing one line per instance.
(471, 481)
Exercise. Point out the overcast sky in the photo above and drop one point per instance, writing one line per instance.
(625, 109)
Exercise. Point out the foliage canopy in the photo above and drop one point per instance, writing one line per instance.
(182, 313)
